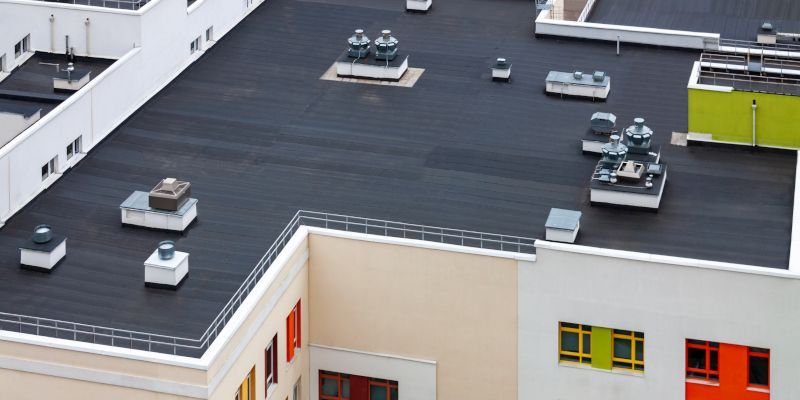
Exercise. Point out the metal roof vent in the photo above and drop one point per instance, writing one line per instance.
(598, 76)
(169, 194)
(501, 70)
(358, 45)
(638, 136)
(767, 27)
(614, 152)
(43, 251)
(166, 250)
(578, 75)
(166, 268)
(42, 234)
(386, 46)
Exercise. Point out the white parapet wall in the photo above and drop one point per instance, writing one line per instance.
(151, 46)
(625, 34)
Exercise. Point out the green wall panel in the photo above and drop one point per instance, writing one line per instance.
(601, 347)
(728, 117)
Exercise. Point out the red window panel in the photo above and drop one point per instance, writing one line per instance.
(758, 367)
(382, 389)
(702, 360)
(334, 386)
(293, 332)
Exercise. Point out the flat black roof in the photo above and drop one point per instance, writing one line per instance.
(260, 136)
(732, 19)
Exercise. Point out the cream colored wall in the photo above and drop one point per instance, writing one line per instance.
(235, 361)
(453, 308)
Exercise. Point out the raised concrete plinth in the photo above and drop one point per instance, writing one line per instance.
(418, 5)
(135, 211)
(43, 257)
(372, 69)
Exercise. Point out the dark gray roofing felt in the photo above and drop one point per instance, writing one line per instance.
(260, 136)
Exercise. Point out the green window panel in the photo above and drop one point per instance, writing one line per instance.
(601, 347)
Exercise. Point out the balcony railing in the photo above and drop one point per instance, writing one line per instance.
(118, 4)
(196, 347)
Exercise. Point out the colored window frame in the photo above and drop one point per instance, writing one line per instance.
(247, 389)
(753, 354)
(390, 388)
(340, 379)
(709, 369)
(293, 332)
(634, 361)
(584, 353)
(271, 365)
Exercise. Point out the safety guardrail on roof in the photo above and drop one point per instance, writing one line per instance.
(196, 347)
(117, 4)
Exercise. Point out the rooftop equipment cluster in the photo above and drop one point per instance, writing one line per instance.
(385, 64)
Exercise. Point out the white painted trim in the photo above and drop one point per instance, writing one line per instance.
(103, 377)
(368, 353)
(794, 248)
(110, 10)
(421, 244)
(694, 78)
(669, 260)
(103, 350)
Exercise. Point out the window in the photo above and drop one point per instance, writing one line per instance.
(271, 364)
(2, 63)
(296, 390)
(210, 34)
(22, 46)
(628, 350)
(758, 367)
(575, 343)
(194, 45)
(702, 360)
(74, 148)
(334, 386)
(293, 332)
(382, 389)
(247, 389)
(49, 168)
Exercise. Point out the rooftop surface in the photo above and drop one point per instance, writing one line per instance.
(31, 84)
(732, 19)
(260, 136)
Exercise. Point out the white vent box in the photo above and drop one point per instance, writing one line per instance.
(168, 273)
(43, 251)
(418, 5)
(137, 211)
(71, 81)
(562, 225)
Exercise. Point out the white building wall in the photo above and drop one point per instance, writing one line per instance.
(669, 303)
(19, 18)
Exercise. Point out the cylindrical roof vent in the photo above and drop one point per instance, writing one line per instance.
(638, 134)
(42, 234)
(386, 46)
(358, 45)
(166, 249)
(614, 152)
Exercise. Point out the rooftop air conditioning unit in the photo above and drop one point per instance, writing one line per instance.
(169, 194)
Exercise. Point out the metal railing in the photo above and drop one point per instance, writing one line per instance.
(773, 74)
(748, 46)
(196, 347)
(118, 4)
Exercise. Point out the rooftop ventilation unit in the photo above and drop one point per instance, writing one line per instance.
(166, 268)
(603, 123)
(418, 5)
(562, 225)
(71, 79)
(501, 70)
(358, 45)
(169, 194)
(386, 46)
(44, 250)
(613, 152)
(638, 137)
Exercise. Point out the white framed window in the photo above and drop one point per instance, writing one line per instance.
(49, 168)
(210, 34)
(195, 45)
(2, 62)
(271, 365)
(22, 47)
(296, 390)
(74, 147)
